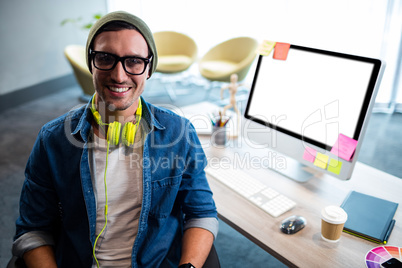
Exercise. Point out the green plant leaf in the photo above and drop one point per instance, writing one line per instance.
(67, 21)
(84, 26)
(97, 16)
(87, 26)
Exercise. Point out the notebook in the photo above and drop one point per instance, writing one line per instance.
(369, 217)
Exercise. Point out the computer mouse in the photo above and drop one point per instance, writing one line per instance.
(293, 224)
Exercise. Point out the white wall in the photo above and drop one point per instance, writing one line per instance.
(32, 39)
(354, 27)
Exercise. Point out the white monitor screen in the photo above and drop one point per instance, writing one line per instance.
(313, 94)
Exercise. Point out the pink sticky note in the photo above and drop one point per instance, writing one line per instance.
(309, 154)
(344, 147)
(281, 51)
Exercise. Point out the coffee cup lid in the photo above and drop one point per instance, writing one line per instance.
(334, 215)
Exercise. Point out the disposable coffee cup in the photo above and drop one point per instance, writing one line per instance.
(219, 135)
(333, 219)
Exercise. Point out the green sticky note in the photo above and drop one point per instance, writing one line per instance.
(335, 166)
(321, 160)
(266, 47)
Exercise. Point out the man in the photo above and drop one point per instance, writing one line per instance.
(93, 197)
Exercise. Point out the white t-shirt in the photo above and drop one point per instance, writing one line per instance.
(124, 191)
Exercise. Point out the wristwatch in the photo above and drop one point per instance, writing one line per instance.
(187, 265)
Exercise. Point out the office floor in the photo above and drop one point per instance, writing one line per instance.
(382, 148)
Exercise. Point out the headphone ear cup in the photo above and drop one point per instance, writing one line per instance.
(113, 133)
(128, 134)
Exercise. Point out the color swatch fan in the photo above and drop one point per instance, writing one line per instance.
(381, 255)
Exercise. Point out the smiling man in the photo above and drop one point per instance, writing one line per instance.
(118, 182)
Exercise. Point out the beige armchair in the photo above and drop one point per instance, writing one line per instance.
(233, 56)
(75, 55)
(176, 51)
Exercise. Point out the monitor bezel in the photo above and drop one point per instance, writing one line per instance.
(364, 108)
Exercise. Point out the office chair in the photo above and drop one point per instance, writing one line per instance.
(232, 56)
(16, 262)
(213, 260)
(176, 53)
(75, 55)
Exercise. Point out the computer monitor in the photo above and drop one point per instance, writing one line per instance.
(303, 104)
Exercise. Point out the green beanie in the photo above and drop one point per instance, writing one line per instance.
(131, 19)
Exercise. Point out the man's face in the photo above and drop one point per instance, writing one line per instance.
(116, 88)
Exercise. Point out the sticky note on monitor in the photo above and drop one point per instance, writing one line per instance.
(309, 154)
(344, 147)
(266, 47)
(281, 51)
(321, 160)
(334, 166)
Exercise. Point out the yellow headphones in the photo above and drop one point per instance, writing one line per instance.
(112, 136)
(113, 133)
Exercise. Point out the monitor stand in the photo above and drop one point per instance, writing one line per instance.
(296, 171)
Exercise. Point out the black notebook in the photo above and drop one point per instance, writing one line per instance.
(369, 217)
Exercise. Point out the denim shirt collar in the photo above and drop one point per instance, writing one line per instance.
(84, 124)
(149, 117)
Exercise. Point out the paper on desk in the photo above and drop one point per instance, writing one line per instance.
(344, 147)
(199, 115)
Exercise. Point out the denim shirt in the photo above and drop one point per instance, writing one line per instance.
(58, 199)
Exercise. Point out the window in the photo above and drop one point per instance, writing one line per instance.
(368, 28)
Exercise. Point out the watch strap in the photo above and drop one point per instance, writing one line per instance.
(187, 265)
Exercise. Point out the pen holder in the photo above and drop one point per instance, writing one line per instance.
(219, 135)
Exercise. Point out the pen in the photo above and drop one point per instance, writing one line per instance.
(212, 121)
(227, 121)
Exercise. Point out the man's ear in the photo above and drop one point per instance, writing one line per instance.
(90, 67)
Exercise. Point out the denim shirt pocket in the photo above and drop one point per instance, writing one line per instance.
(164, 193)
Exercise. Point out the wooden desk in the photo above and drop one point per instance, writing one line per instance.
(305, 248)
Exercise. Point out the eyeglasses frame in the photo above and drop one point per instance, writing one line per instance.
(119, 59)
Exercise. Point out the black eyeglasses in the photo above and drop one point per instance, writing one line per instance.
(107, 61)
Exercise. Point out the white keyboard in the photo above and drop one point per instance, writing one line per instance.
(253, 190)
